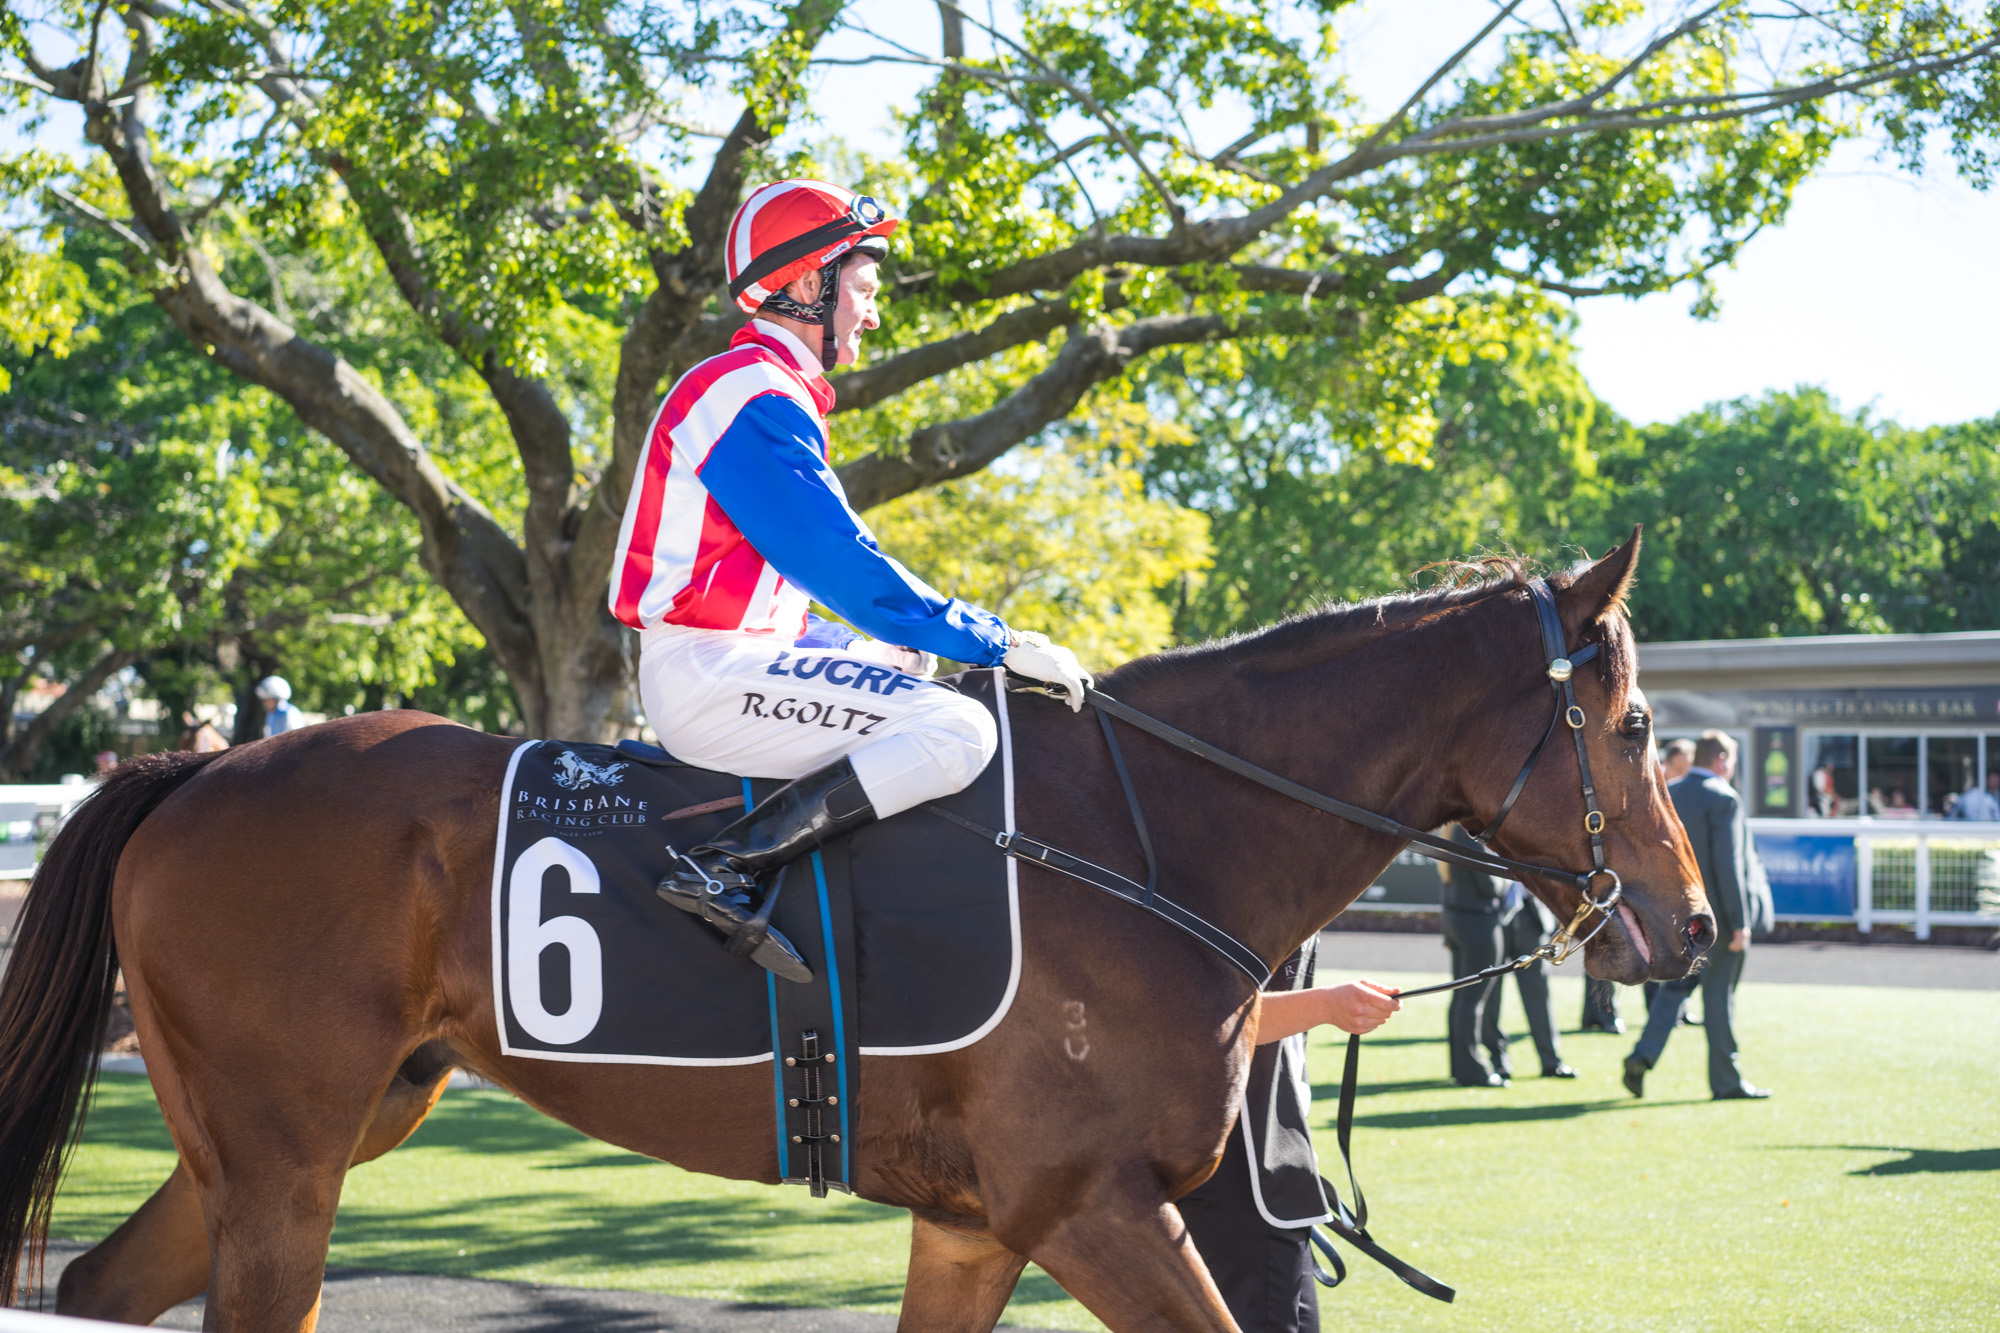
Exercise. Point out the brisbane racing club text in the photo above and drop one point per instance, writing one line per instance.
(579, 812)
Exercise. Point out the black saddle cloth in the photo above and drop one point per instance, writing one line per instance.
(591, 965)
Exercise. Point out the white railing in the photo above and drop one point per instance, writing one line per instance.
(29, 813)
(1915, 872)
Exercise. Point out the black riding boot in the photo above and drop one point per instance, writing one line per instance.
(718, 880)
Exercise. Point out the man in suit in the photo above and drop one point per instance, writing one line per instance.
(1713, 815)
(1525, 927)
(1473, 917)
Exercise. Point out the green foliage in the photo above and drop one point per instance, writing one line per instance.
(154, 506)
(1059, 541)
(1305, 504)
(1783, 515)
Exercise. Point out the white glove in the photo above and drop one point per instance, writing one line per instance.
(911, 661)
(1035, 657)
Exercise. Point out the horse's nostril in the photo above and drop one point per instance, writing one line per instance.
(1700, 933)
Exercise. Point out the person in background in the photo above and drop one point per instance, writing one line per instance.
(1713, 815)
(1526, 926)
(1981, 806)
(1252, 1220)
(1472, 904)
(1676, 758)
(279, 715)
(105, 760)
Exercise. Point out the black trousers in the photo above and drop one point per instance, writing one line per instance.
(1263, 1272)
(1474, 939)
(1523, 935)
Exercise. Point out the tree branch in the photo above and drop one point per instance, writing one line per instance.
(19, 755)
(958, 448)
(860, 389)
(464, 547)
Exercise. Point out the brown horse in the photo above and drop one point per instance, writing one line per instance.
(303, 926)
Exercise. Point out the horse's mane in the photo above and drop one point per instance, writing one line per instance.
(1313, 635)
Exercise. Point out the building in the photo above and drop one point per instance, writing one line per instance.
(1889, 725)
(1876, 729)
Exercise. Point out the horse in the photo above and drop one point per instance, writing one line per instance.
(304, 933)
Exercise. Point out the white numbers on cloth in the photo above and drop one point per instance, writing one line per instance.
(528, 935)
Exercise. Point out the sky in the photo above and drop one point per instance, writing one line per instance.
(1881, 287)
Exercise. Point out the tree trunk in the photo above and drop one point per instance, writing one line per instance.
(19, 757)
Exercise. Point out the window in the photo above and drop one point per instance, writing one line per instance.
(1833, 785)
(1951, 767)
(1893, 789)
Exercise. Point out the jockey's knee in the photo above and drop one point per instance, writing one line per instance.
(933, 754)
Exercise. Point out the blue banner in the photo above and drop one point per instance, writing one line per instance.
(1811, 875)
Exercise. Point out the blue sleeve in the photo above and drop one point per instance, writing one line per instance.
(824, 633)
(767, 474)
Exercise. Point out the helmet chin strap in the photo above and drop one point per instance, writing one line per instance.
(829, 305)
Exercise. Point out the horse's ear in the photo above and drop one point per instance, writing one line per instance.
(1600, 590)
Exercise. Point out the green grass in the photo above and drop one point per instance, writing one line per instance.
(1866, 1194)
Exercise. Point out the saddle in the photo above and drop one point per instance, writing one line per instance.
(911, 928)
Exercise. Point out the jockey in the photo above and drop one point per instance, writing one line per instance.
(736, 524)
(279, 715)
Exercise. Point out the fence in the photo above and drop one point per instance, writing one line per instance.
(29, 816)
(1921, 873)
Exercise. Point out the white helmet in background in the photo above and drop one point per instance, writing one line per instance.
(274, 687)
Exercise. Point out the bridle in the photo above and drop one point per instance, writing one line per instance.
(1560, 666)
(1561, 673)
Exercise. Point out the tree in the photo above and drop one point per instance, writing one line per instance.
(1783, 515)
(1061, 536)
(158, 514)
(1317, 491)
(527, 176)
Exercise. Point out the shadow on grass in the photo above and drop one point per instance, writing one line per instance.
(1508, 1115)
(1915, 1161)
(123, 1114)
(1923, 1160)
(1330, 1092)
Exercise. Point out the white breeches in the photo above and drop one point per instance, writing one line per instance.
(743, 704)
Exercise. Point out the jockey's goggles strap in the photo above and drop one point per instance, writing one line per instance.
(782, 256)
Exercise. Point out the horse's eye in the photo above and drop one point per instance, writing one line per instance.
(1635, 723)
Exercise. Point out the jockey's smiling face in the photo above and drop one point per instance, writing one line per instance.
(860, 285)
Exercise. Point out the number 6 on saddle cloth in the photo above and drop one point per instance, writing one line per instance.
(590, 965)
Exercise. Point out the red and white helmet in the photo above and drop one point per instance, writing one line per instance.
(788, 229)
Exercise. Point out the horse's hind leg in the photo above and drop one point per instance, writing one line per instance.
(1135, 1267)
(958, 1283)
(158, 1257)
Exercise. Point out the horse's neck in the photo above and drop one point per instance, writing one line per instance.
(1374, 726)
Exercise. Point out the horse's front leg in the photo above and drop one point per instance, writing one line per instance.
(960, 1281)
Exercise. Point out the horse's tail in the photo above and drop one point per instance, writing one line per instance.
(55, 999)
